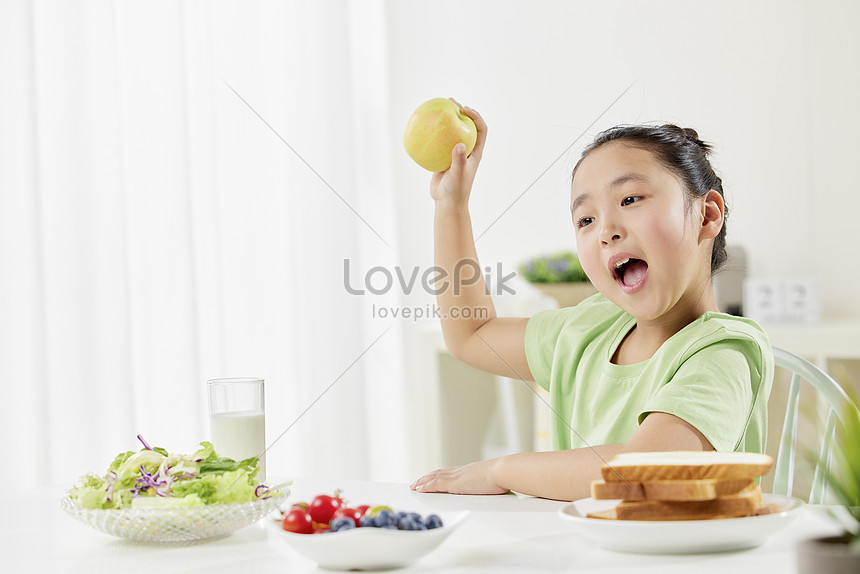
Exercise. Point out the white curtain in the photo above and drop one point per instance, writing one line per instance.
(155, 232)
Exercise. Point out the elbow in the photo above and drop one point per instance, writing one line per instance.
(456, 348)
(463, 342)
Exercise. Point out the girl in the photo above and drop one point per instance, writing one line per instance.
(647, 364)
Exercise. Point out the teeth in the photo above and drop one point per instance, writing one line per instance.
(621, 263)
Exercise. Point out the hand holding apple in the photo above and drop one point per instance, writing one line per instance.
(433, 130)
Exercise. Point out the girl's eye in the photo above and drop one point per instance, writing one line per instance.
(584, 221)
(631, 199)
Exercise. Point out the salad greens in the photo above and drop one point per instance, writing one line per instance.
(154, 478)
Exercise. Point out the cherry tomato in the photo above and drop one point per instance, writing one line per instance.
(321, 529)
(323, 507)
(299, 521)
(301, 505)
(349, 513)
(362, 509)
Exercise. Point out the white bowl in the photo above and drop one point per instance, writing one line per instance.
(365, 548)
(679, 536)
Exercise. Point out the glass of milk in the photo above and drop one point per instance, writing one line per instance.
(237, 421)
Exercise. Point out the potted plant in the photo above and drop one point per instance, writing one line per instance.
(559, 276)
(838, 554)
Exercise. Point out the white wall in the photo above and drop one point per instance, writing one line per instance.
(774, 85)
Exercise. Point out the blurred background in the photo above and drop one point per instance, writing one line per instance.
(188, 189)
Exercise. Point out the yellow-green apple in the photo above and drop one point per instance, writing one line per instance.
(433, 130)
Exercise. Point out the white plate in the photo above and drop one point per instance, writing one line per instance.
(365, 548)
(680, 536)
(174, 524)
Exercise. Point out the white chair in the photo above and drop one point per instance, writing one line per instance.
(840, 406)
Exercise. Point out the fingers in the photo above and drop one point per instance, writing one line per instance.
(481, 126)
(482, 130)
(458, 161)
(439, 480)
(423, 483)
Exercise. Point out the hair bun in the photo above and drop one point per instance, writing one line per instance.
(686, 133)
(691, 135)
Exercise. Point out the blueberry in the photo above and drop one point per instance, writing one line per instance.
(432, 521)
(367, 521)
(401, 514)
(342, 523)
(415, 516)
(384, 518)
(406, 523)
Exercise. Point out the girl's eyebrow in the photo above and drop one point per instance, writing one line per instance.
(582, 197)
(620, 180)
(630, 176)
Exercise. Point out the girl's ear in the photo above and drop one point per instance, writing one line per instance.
(713, 210)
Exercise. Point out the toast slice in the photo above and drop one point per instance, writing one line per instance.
(669, 490)
(685, 465)
(608, 514)
(744, 503)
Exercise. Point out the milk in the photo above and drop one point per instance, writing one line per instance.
(239, 435)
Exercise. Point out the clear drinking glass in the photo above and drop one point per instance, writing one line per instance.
(237, 419)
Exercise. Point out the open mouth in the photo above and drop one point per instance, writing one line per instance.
(630, 272)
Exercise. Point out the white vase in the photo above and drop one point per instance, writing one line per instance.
(567, 294)
(831, 555)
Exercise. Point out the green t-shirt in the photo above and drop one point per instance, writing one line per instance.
(716, 374)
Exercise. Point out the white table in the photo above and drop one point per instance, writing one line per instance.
(508, 534)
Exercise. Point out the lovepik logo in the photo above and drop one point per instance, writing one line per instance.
(434, 280)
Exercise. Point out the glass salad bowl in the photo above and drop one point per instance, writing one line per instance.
(174, 525)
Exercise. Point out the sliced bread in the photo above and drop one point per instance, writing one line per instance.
(670, 490)
(685, 465)
(744, 503)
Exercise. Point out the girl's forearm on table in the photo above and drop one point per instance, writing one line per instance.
(560, 475)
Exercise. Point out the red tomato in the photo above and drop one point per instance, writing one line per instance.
(321, 529)
(323, 507)
(362, 509)
(349, 513)
(299, 521)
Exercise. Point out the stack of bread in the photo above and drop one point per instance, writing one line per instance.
(682, 485)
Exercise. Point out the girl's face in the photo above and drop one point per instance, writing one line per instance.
(636, 238)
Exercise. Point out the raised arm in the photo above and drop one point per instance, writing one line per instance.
(473, 333)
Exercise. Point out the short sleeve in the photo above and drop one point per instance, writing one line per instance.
(558, 337)
(714, 390)
(542, 332)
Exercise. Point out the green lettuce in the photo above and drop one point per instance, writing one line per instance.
(154, 478)
(225, 488)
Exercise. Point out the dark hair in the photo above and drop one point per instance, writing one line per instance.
(680, 151)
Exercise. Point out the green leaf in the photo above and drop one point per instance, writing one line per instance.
(563, 267)
(843, 479)
(120, 458)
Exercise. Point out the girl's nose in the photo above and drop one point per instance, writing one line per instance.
(610, 233)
